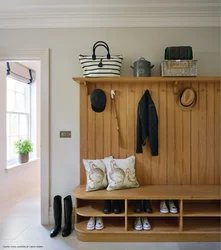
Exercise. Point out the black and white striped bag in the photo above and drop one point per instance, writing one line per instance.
(101, 66)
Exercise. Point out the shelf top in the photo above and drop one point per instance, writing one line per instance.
(82, 80)
(176, 192)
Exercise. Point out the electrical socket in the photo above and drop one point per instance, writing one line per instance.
(65, 134)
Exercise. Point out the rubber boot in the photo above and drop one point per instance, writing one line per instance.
(138, 206)
(107, 207)
(57, 215)
(68, 207)
(147, 206)
(116, 207)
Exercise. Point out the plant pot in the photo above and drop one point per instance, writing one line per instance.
(23, 158)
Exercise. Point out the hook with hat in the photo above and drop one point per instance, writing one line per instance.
(112, 93)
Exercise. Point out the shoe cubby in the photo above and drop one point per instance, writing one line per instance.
(202, 208)
(155, 205)
(202, 224)
(158, 224)
(94, 208)
(111, 224)
(197, 219)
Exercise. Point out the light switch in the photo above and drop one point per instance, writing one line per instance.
(65, 134)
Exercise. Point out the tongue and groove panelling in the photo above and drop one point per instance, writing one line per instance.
(189, 141)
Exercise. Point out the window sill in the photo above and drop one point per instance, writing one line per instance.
(10, 167)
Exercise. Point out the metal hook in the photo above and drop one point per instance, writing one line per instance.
(175, 88)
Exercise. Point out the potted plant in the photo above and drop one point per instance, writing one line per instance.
(23, 148)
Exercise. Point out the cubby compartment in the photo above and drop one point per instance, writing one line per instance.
(95, 207)
(201, 224)
(111, 225)
(207, 208)
(159, 225)
(155, 204)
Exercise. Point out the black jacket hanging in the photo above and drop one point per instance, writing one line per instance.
(147, 124)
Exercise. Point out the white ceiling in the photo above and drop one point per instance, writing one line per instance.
(109, 13)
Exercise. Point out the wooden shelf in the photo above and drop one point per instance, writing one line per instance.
(156, 211)
(113, 226)
(155, 192)
(202, 225)
(158, 225)
(82, 80)
(201, 208)
(94, 210)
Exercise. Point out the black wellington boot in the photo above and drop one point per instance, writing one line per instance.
(147, 206)
(57, 216)
(138, 206)
(107, 207)
(116, 207)
(67, 216)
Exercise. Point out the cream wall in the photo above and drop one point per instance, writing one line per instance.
(65, 46)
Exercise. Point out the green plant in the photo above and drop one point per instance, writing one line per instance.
(23, 146)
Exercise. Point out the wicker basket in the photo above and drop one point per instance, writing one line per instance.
(179, 68)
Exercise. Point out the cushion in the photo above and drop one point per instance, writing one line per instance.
(121, 173)
(96, 174)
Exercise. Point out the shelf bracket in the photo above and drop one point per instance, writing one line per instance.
(175, 88)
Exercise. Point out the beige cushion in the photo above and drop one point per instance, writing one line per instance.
(96, 174)
(121, 173)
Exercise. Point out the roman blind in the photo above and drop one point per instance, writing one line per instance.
(20, 72)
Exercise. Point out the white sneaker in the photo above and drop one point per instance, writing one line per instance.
(146, 224)
(99, 223)
(163, 207)
(172, 207)
(138, 224)
(91, 224)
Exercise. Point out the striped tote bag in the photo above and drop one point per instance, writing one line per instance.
(101, 66)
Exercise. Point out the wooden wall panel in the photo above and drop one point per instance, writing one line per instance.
(186, 145)
(217, 133)
(140, 164)
(83, 130)
(171, 168)
(195, 123)
(189, 141)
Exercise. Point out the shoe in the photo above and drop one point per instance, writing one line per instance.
(146, 224)
(163, 207)
(147, 206)
(138, 224)
(57, 216)
(138, 206)
(116, 207)
(99, 223)
(68, 207)
(107, 207)
(91, 224)
(172, 207)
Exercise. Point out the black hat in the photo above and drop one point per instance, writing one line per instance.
(98, 100)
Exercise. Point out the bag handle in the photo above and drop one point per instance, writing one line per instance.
(103, 44)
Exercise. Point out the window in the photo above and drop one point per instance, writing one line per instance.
(18, 115)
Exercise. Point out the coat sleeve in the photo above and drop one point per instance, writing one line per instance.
(139, 148)
(153, 130)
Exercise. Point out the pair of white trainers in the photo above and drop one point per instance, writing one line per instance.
(140, 224)
(164, 209)
(95, 223)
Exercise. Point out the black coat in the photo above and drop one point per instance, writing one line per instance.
(147, 124)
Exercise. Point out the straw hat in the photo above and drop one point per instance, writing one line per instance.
(187, 99)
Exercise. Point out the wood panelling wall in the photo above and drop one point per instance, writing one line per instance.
(189, 141)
